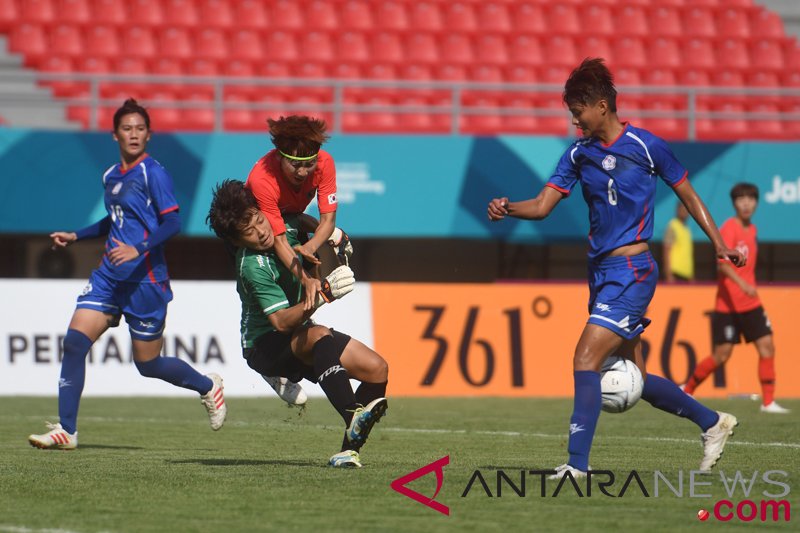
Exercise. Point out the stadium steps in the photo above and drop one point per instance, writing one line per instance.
(789, 10)
(22, 102)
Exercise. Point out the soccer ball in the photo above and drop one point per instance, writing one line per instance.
(621, 384)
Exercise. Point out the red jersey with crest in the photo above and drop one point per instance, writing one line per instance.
(730, 298)
(277, 198)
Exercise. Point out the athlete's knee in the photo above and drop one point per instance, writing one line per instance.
(380, 369)
(585, 359)
(315, 333)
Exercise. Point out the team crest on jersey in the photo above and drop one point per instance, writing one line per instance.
(332, 198)
(87, 289)
(116, 188)
(610, 162)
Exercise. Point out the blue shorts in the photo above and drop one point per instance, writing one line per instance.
(620, 289)
(143, 304)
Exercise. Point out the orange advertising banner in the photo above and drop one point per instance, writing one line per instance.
(518, 339)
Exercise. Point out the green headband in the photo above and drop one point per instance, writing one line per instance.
(296, 158)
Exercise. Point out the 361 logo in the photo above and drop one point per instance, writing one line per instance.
(437, 466)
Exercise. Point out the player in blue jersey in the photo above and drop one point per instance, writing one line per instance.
(617, 166)
(132, 280)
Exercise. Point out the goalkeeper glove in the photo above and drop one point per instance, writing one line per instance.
(342, 246)
(338, 283)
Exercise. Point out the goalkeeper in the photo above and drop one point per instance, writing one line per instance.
(278, 336)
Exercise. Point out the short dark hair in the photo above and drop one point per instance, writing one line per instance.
(298, 135)
(590, 82)
(744, 189)
(129, 107)
(232, 206)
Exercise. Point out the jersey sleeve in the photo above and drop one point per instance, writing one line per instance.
(666, 164)
(565, 175)
(260, 278)
(267, 196)
(161, 189)
(326, 193)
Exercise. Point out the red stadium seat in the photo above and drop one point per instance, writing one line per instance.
(146, 13)
(665, 21)
(273, 70)
(563, 19)
(486, 122)
(421, 48)
(101, 41)
(317, 44)
(61, 65)
(528, 18)
(312, 71)
(767, 54)
(425, 16)
(182, 13)
(791, 55)
(733, 22)
(287, 14)
(74, 11)
(415, 121)
(321, 15)
(733, 126)
(93, 65)
(667, 126)
(386, 47)
(111, 12)
(597, 20)
(9, 14)
(560, 50)
(419, 73)
(456, 48)
(768, 126)
(491, 49)
(525, 50)
(352, 46)
(167, 66)
(524, 122)
(281, 45)
(238, 119)
(664, 52)
(239, 68)
(766, 24)
(633, 20)
(175, 43)
(199, 115)
(215, 14)
(515, 73)
(699, 22)
(30, 40)
(246, 44)
(250, 14)
(138, 41)
(460, 17)
(494, 17)
(210, 43)
(596, 46)
(39, 11)
(629, 52)
(356, 15)
(733, 53)
(698, 53)
(377, 121)
(347, 71)
(200, 66)
(728, 78)
(163, 116)
(392, 15)
(66, 40)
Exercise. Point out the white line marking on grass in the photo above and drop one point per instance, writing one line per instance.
(20, 529)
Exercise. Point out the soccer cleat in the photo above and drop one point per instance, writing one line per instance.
(55, 439)
(562, 470)
(289, 391)
(714, 440)
(774, 408)
(214, 402)
(346, 459)
(363, 420)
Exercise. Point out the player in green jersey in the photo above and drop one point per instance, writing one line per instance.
(278, 336)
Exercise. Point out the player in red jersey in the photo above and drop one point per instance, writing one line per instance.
(738, 310)
(285, 181)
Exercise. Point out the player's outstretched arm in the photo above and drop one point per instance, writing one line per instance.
(533, 209)
(700, 214)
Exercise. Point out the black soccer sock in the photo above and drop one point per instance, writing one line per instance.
(366, 392)
(333, 378)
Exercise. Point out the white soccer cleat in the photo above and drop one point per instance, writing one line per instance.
(562, 470)
(55, 439)
(289, 391)
(214, 402)
(774, 408)
(346, 459)
(714, 440)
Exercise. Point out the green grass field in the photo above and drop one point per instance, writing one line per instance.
(154, 465)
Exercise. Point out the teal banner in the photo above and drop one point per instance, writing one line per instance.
(389, 186)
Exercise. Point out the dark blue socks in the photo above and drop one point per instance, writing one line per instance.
(665, 395)
(73, 375)
(585, 412)
(175, 371)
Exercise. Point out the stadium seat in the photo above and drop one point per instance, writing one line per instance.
(528, 18)
(733, 53)
(767, 54)
(9, 14)
(596, 46)
(525, 50)
(250, 14)
(392, 15)
(30, 40)
(66, 40)
(93, 65)
(484, 74)
(767, 126)
(109, 12)
(629, 52)
(180, 13)
(167, 66)
(37, 11)
(175, 43)
(485, 120)
(699, 22)
(597, 19)
(281, 46)
(146, 13)
(698, 53)
(515, 73)
(733, 22)
(415, 121)
(312, 71)
(317, 44)
(129, 66)
(347, 71)
(245, 44)
(664, 52)
(356, 15)
(101, 41)
(138, 41)
(61, 65)
(421, 48)
(200, 66)
(215, 14)
(379, 120)
(164, 116)
(632, 19)
(425, 16)
(199, 114)
(791, 55)
(386, 47)
(456, 48)
(665, 21)
(563, 19)
(238, 68)
(210, 43)
(287, 14)
(352, 46)
(766, 24)
(560, 50)
(490, 49)
(418, 73)
(235, 118)
(460, 17)
(525, 121)
(321, 15)
(494, 17)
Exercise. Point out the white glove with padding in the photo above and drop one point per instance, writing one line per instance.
(342, 246)
(338, 283)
